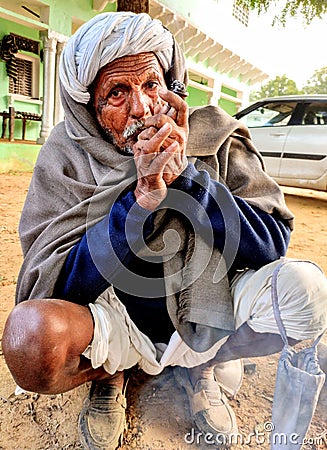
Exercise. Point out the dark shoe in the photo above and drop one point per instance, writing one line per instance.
(209, 406)
(102, 419)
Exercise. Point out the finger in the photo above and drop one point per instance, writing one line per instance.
(168, 110)
(178, 157)
(161, 160)
(170, 97)
(159, 138)
(174, 166)
(148, 133)
(157, 109)
(176, 102)
(154, 144)
(172, 113)
(160, 108)
(159, 120)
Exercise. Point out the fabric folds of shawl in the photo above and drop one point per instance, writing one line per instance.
(78, 176)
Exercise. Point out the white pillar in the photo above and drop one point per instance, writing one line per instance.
(49, 67)
(216, 91)
(58, 109)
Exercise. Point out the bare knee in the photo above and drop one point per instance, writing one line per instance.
(34, 342)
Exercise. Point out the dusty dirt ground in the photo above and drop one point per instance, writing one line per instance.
(158, 416)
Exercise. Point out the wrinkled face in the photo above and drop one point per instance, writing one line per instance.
(125, 92)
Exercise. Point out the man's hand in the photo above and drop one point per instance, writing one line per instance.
(160, 151)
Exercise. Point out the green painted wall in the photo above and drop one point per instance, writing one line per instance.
(62, 12)
(7, 27)
(228, 105)
(17, 157)
(61, 16)
(228, 91)
(196, 11)
(32, 127)
(197, 97)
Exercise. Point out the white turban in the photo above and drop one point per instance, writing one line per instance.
(103, 39)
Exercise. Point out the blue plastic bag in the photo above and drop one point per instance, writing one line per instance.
(299, 381)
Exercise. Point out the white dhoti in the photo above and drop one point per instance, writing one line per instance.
(302, 292)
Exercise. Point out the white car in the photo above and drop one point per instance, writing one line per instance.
(291, 134)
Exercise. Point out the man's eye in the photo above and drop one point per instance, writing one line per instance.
(115, 93)
(152, 84)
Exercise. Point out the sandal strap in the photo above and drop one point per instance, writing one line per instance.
(208, 395)
(208, 404)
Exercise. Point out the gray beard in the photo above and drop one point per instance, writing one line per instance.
(126, 149)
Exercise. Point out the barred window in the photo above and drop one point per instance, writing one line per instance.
(241, 13)
(23, 85)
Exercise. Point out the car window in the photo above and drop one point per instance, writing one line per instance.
(315, 114)
(269, 115)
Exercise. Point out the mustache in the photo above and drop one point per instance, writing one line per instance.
(134, 129)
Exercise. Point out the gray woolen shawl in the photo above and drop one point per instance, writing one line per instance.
(77, 177)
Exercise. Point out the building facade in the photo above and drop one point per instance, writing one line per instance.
(215, 35)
